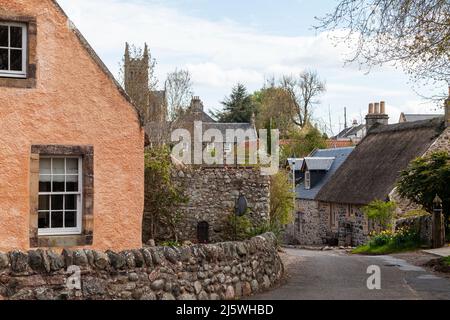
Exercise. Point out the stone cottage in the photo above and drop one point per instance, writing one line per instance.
(312, 173)
(373, 168)
(71, 142)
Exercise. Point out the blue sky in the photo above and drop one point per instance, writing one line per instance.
(225, 42)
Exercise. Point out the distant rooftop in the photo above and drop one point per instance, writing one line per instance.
(411, 117)
(339, 155)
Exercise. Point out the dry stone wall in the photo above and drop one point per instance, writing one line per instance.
(212, 193)
(228, 270)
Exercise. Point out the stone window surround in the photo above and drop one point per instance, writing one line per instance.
(30, 80)
(86, 236)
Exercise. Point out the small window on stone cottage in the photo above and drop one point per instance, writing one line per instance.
(13, 50)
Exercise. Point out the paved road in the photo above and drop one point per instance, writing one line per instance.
(331, 275)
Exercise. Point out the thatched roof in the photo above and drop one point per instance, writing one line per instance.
(372, 169)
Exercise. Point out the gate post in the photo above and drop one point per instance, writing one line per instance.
(438, 227)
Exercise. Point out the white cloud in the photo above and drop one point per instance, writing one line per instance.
(222, 53)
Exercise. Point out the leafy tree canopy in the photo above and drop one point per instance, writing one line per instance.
(425, 178)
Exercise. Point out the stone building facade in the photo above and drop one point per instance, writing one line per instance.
(212, 193)
(224, 271)
(333, 215)
(152, 104)
(71, 155)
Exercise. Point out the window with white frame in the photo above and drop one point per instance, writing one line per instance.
(60, 195)
(13, 50)
(307, 180)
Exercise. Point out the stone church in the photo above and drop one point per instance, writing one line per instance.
(151, 103)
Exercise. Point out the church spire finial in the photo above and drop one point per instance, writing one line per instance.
(146, 54)
(127, 51)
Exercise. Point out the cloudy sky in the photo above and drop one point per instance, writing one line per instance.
(226, 42)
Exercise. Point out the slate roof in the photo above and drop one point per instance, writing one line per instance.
(419, 117)
(319, 163)
(349, 132)
(372, 169)
(340, 155)
(298, 163)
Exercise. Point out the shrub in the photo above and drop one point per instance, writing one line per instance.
(381, 212)
(388, 241)
(170, 244)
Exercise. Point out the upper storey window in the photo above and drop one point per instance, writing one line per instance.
(13, 47)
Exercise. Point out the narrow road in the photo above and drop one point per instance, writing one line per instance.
(331, 275)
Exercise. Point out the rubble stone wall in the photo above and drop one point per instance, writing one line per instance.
(212, 194)
(227, 270)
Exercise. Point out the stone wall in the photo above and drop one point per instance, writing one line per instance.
(212, 193)
(226, 270)
(423, 225)
(310, 226)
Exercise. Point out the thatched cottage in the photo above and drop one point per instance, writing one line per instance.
(312, 174)
(372, 170)
(71, 142)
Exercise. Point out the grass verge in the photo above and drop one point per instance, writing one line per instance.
(384, 249)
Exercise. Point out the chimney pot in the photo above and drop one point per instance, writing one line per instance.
(370, 108)
(383, 107)
(377, 108)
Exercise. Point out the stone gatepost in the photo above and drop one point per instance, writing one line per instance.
(438, 224)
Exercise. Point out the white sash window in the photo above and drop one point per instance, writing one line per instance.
(60, 195)
(13, 50)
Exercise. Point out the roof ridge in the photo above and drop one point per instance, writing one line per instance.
(94, 56)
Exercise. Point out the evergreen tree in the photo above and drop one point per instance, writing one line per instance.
(238, 107)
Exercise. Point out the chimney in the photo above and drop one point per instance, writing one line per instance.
(196, 103)
(447, 109)
(377, 114)
(382, 107)
(377, 108)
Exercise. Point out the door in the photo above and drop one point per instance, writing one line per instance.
(203, 232)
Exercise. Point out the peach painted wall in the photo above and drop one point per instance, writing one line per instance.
(74, 103)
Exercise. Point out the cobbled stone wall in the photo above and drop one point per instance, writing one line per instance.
(310, 226)
(423, 225)
(228, 270)
(212, 193)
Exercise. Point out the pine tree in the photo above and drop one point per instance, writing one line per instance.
(236, 108)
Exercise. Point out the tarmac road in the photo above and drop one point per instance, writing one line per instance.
(337, 275)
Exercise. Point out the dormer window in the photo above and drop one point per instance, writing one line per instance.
(13, 50)
(307, 180)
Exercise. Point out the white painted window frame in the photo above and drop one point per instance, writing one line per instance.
(64, 231)
(23, 72)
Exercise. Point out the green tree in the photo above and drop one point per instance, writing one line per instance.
(302, 142)
(381, 212)
(274, 106)
(425, 178)
(238, 107)
(162, 195)
(281, 201)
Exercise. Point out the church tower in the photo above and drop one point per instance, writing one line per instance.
(136, 74)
